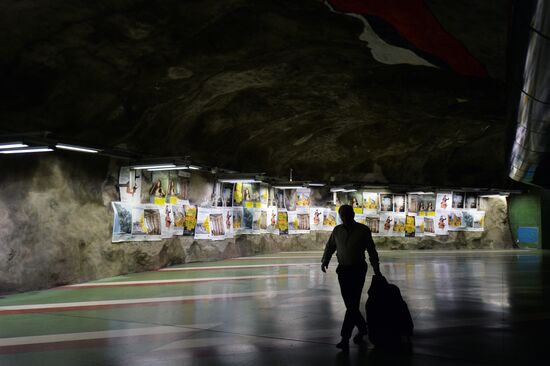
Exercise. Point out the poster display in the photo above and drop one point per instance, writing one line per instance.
(458, 200)
(399, 203)
(470, 202)
(373, 222)
(167, 221)
(158, 188)
(216, 224)
(441, 223)
(386, 202)
(282, 222)
(329, 220)
(264, 195)
(410, 227)
(178, 213)
(398, 224)
(146, 224)
(190, 219)
(370, 203)
(289, 199)
(303, 199)
(316, 218)
(228, 222)
(360, 218)
(418, 226)
(473, 220)
(238, 214)
(129, 185)
(355, 200)
(426, 207)
(272, 226)
(122, 223)
(202, 229)
(386, 224)
(444, 201)
(293, 222)
(237, 194)
(413, 202)
(429, 226)
(454, 220)
(248, 220)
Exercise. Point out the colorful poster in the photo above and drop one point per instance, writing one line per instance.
(292, 222)
(129, 185)
(441, 223)
(418, 226)
(264, 195)
(146, 224)
(190, 219)
(202, 230)
(303, 198)
(454, 220)
(329, 220)
(303, 222)
(429, 226)
(341, 198)
(398, 224)
(426, 206)
(413, 204)
(237, 194)
(182, 184)
(282, 221)
(444, 201)
(410, 228)
(248, 219)
(238, 214)
(470, 202)
(216, 224)
(122, 223)
(227, 190)
(386, 202)
(251, 192)
(272, 226)
(473, 220)
(373, 222)
(361, 218)
(167, 221)
(386, 224)
(290, 197)
(316, 218)
(370, 203)
(159, 186)
(178, 213)
(355, 200)
(458, 199)
(228, 222)
(259, 225)
(399, 203)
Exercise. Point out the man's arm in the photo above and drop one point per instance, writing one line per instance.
(330, 248)
(373, 254)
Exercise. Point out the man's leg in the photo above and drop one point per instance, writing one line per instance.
(345, 278)
(358, 284)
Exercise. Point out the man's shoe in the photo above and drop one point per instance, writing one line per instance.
(343, 345)
(358, 338)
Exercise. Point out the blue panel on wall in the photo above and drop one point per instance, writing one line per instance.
(528, 235)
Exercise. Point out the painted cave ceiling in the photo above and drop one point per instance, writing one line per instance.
(400, 91)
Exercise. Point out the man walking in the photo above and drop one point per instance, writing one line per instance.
(349, 241)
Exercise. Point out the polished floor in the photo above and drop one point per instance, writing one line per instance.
(469, 308)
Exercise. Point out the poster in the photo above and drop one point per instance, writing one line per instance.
(167, 221)
(178, 213)
(237, 194)
(251, 192)
(418, 226)
(329, 219)
(454, 220)
(399, 203)
(470, 202)
(122, 223)
(248, 219)
(426, 206)
(264, 195)
(370, 203)
(398, 224)
(386, 224)
(259, 221)
(341, 199)
(441, 224)
(272, 226)
(316, 218)
(238, 214)
(146, 224)
(158, 187)
(386, 202)
(190, 219)
(413, 203)
(292, 222)
(410, 227)
(373, 222)
(360, 218)
(216, 224)
(303, 222)
(227, 194)
(289, 199)
(202, 230)
(282, 222)
(228, 221)
(444, 201)
(458, 199)
(429, 226)
(177, 186)
(355, 200)
(473, 220)
(129, 185)
(303, 198)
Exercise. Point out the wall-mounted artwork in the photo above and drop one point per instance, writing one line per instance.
(122, 223)
(202, 230)
(129, 185)
(282, 222)
(399, 203)
(370, 203)
(386, 202)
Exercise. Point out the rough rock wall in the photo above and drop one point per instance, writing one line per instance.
(56, 222)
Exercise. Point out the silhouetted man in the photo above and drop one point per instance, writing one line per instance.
(349, 241)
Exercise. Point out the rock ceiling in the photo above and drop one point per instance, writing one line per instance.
(405, 92)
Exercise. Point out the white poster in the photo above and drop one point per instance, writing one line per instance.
(202, 230)
(429, 226)
(237, 220)
(167, 221)
(316, 218)
(361, 218)
(303, 198)
(373, 222)
(418, 226)
(329, 219)
(441, 223)
(386, 202)
(386, 224)
(129, 185)
(272, 226)
(399, 203)
(146, 223)
(454, 220)
(178, 212)
(443, 201)
(228, 222)
(122, 223)
(216, 224)
(370, 203)
(473, 220)
(399, 224)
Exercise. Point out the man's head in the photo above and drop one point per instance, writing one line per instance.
(346, 214)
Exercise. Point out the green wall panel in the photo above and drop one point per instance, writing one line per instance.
(525, 215)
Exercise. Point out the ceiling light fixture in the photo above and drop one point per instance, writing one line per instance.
(153, 166)
(12, 145)
(239, 181)
(316, 184)
(36, 149)
(194, 167)
(182, 167)
(77, 148)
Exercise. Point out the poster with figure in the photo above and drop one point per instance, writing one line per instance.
(458, 200)
(355, 200)
(470, 202)
(122, 223)
(237, 194)
(444, 201)
(429, 226)
(238, 214)
(272, 226)
(410, 227)
(427, 205)
(418, 226)
(190, 219)
(454, 220)
(441, 223)
(146, 224)
(290, 198)
(303, 198)
(398, 224)
(227, 194)
(399, 203)
(303, 222)
(262, 222)
(386, 202)
(129, 185)
(370, 203)
(202, 230)
(248, 219)
(280, 198)
(361, 218)
(216, 224)
(329, 219)
(341, 199)
(228, 222)
(473, 220)
(182, 184)
(178, 213)
(264, 195)
(386, 224)
(413, 201)
(373, 222)
(316, 218)
(251, 193)
(167, 221)
(158, 188)
(282, 221)
(292, 222)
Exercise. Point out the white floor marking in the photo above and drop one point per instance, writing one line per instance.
(281, 257)
(239, 266)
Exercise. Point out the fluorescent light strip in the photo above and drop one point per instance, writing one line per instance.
(239, 181)
(173, 168)
(288, 187)
(334, 190)
(316, 184)
(12, 145)
(27, 150)
(194, 167)
(154, 166)
(76, 148)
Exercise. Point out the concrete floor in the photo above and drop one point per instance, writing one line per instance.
(469, 308)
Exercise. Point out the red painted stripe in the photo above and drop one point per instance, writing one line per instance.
(414, 20)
